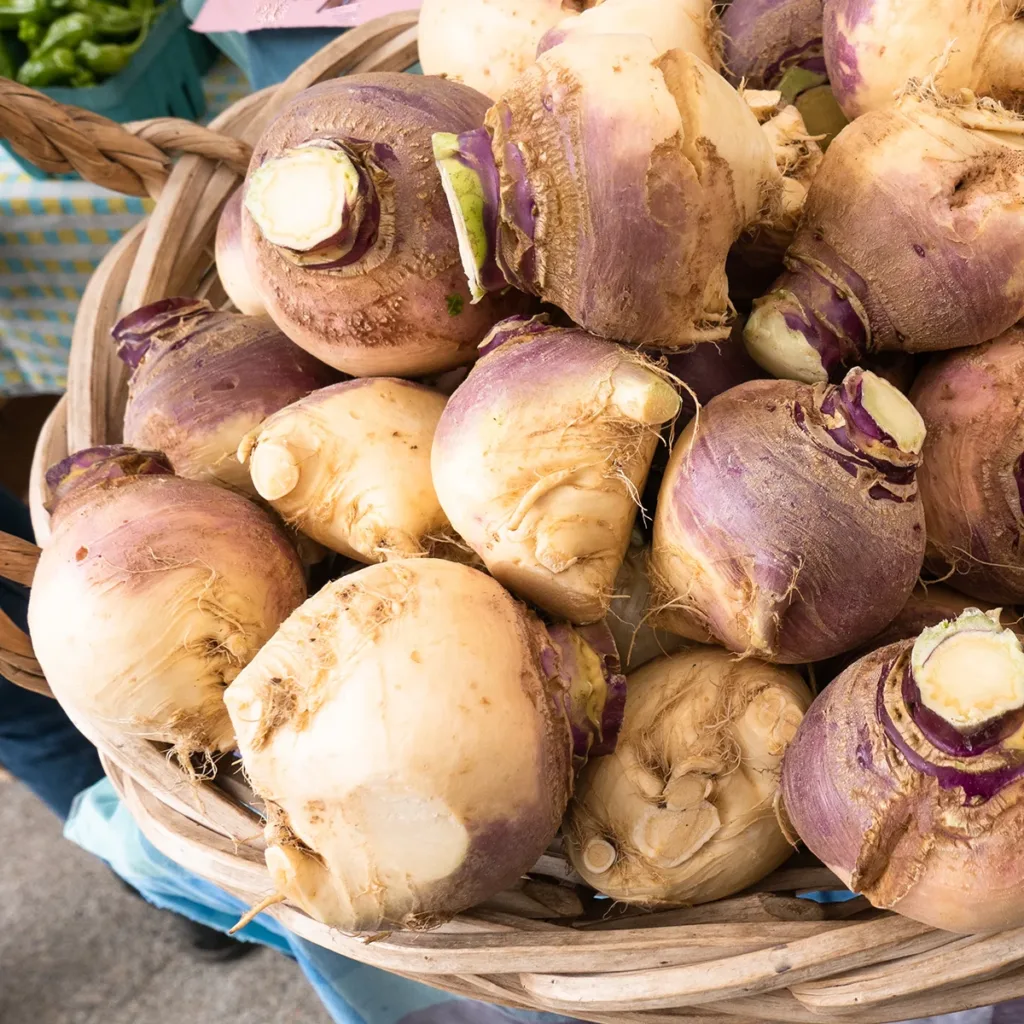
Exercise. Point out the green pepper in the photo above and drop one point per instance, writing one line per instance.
(30, 33)
(67, 31)
(82, 77)
(106, 58)
(6, 60)
(47, 68)
(12, 11)
(108, 19)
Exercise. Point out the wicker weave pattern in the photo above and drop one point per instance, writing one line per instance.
(548, 943)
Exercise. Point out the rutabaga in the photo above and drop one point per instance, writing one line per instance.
(972, 480)
(231, 268)
(201, 379)
(912, 240)
(412, 728)
(763, 39)
(346, 233)
(540, 457)
(788, 524)
(873, 46)
(906, 777)
(684, 810)
(610, 180)
(152, 595)
(487, 44)
(689, 25)
(349, 466)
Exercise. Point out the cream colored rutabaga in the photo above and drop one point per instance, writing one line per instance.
(487, 44)
(872, 47)
(349, 466)
(684, 810)
(152, 594)
(541, 454)
(413, 729)
(906, 777)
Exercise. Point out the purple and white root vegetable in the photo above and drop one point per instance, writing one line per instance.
(872, 47)
(684, 810)
(349, 466)
(610, 180)
(231, 259)
(540, 457)
(763, 39)
(946, 178)
(202, 379)
(152, 594)
(905, 777)
(346, 230)
(972, 480)
(788, 524)
(487, 44)
(413, 730)
(689, 25)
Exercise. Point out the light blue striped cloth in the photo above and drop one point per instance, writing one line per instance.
(53, 233)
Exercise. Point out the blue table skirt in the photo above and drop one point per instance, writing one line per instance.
(352, 993)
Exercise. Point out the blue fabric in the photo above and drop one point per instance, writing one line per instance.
(352, 993)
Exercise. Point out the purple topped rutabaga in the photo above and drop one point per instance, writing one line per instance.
(907, 776)
(788, 523)
(202, 379)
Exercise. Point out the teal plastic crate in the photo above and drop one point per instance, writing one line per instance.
(164, 79)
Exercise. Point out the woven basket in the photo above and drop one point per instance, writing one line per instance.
(548, 944)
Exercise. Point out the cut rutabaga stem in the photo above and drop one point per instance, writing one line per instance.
(153, 593)
(349, 466)
(683, 810)
(788, 523)
(945, 272)
(231, 260)
(872, 47)
(928, 605)
(412, 729)
(604, 146)
(689, 25)
(487, 44)
(905, 777)
(765, 38)
(540, 456)
(346, 232)
(972, 480)
(201, 379)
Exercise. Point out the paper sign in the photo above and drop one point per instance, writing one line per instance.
(253, 15)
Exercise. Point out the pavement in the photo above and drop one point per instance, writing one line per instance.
(77, 948)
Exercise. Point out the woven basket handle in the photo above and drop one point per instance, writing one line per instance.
(130, 158)
(18, 663)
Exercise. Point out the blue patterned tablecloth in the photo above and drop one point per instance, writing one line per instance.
(53, 233)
